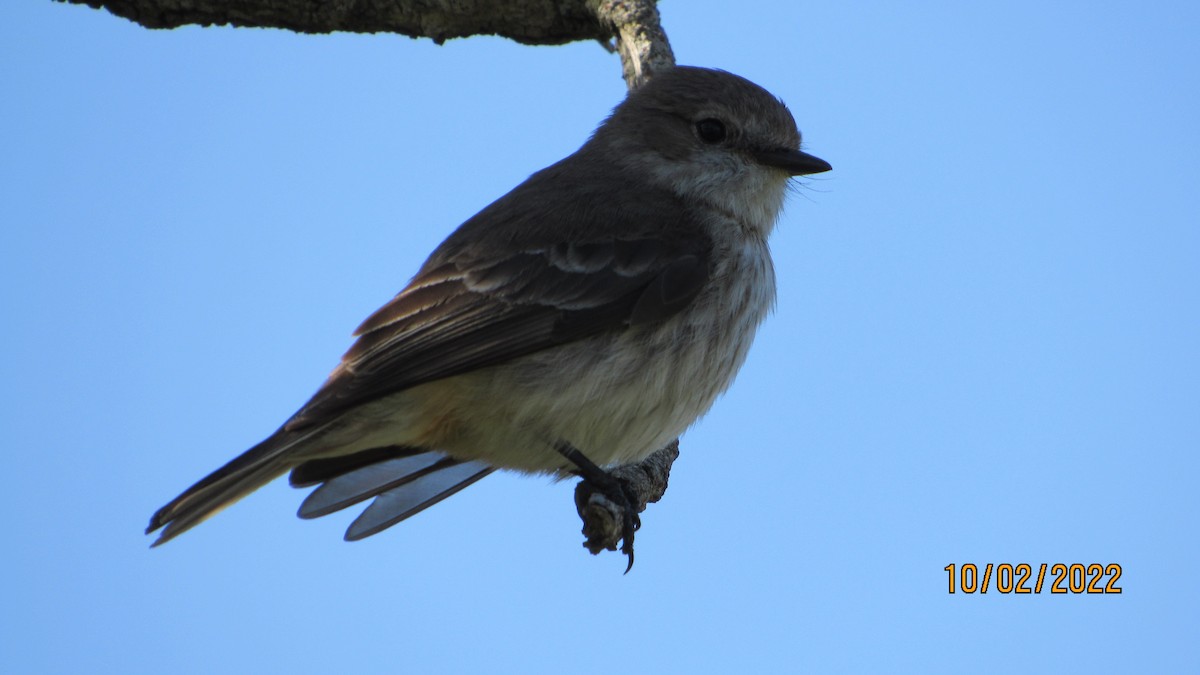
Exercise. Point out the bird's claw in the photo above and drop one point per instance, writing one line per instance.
(614, 491)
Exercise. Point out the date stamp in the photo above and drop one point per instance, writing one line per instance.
(1024, 579)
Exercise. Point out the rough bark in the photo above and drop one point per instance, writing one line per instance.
(536, 22)
(640, 38)
(633, 23)
(630, 27)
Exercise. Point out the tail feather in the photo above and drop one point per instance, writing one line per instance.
(316, 471)
(241, 476)
(404, 481)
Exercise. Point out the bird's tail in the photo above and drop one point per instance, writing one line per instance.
(241, 476)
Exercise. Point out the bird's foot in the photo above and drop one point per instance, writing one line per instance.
(610, 488)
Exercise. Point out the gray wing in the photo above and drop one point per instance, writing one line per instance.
(472, 312)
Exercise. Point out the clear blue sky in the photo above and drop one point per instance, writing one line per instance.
(985, 348)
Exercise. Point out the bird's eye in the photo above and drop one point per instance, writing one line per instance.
(710, 130)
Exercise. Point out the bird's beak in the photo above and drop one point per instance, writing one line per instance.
(796, 163)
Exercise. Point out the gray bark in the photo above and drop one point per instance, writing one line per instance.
(632, 26)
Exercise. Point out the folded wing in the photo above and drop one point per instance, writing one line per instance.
(470, 313)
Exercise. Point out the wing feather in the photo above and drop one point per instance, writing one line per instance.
(475, 312)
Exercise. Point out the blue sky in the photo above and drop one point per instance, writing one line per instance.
(984, 349)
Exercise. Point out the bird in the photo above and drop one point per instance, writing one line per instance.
(581, 321)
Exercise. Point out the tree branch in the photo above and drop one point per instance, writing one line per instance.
(634, 24)
(645, 482)
(641, 40)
